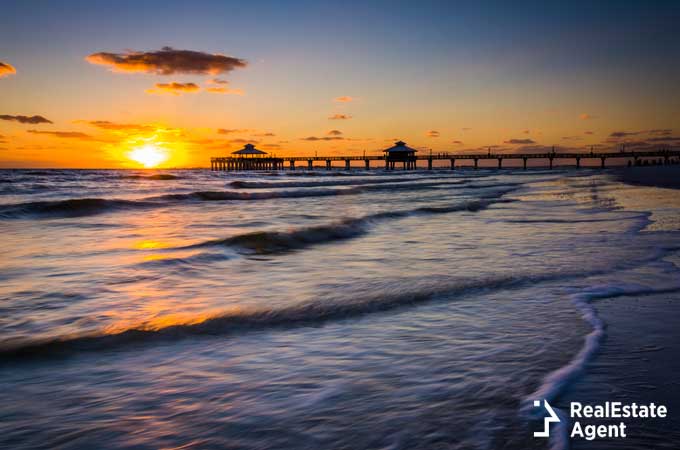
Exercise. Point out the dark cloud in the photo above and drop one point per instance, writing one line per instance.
(432, 133)
(334, 133)
(664, 139)
(6, 69)
(519, 141)
(113, 126)
(457, 142)
(168, 61)
(620, 134)
(174, 88)
(217, 81)
(340, 117)
(661, 132)
(25, 119)
(325, 138)
(64, 134)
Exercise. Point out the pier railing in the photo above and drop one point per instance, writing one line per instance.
(270, 162)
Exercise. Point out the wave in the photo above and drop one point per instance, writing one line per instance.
(555, 383)
(241, 184)
(77, 207)
(384, 298)
(158, 176)
(235, 195)
(272, 242)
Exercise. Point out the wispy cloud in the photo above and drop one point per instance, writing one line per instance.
(174, 88)
(334, 133)
(113, 126)
(457, 142)
(324, 138)
(64, 134)
(233, 130)
(519, 141)
(344, 99)
(340, 117)
(167, 61)
(217, 81)
(6, 69)
(661, 131)
(432, 133)
(586, 116)
(25, 119)
(224, 90)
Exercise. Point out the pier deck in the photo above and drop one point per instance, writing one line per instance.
(278, 163)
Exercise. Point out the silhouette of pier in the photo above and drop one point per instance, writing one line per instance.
(403, 156)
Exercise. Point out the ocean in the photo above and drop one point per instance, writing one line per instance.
(182, 309)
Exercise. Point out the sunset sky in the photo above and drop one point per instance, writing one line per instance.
(96, 84)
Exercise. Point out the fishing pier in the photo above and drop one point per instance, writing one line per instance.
(402, 156)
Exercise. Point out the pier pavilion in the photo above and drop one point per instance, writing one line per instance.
(400, 153)
(247, 158)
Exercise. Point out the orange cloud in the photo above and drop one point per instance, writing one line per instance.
(224, 90)
(340, 117)
(334, 133)
(167, 61)
(174, 88)
(25, 119)
(432, 134)
(457, 142)
(344, 99)
(586, 116)
(6, 69)
(64, 134)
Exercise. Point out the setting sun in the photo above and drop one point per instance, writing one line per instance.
(148, 155)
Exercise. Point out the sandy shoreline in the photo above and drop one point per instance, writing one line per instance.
(658, 176)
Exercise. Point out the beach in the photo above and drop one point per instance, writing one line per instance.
(326, 309)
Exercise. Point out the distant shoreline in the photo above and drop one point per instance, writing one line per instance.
(658, 176)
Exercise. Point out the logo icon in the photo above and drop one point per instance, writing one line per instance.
(548, 420)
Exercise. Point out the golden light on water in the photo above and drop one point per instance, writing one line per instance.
(148, 155)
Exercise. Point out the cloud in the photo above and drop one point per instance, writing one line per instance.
(432, 133)
(344, 99)
(64, 134)
(243, 141)
(113, 126)
(167, 61)
(264, 134)
(217, 81)
(661, 132)
(232, 131)
(340, 117)
(588, 132)
(526, 131)
(25, 119)
(664, 139)
(6, 69)
(334, 133)
(519, 141)
(586, 116)
(174, 88)
(466, 129)
(224, 90)
(457, 142)
(325, 138)
(572, 138)
(620, 134)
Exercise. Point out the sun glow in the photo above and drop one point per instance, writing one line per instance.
(148, 155)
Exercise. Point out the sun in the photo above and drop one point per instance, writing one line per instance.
(148, 155)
